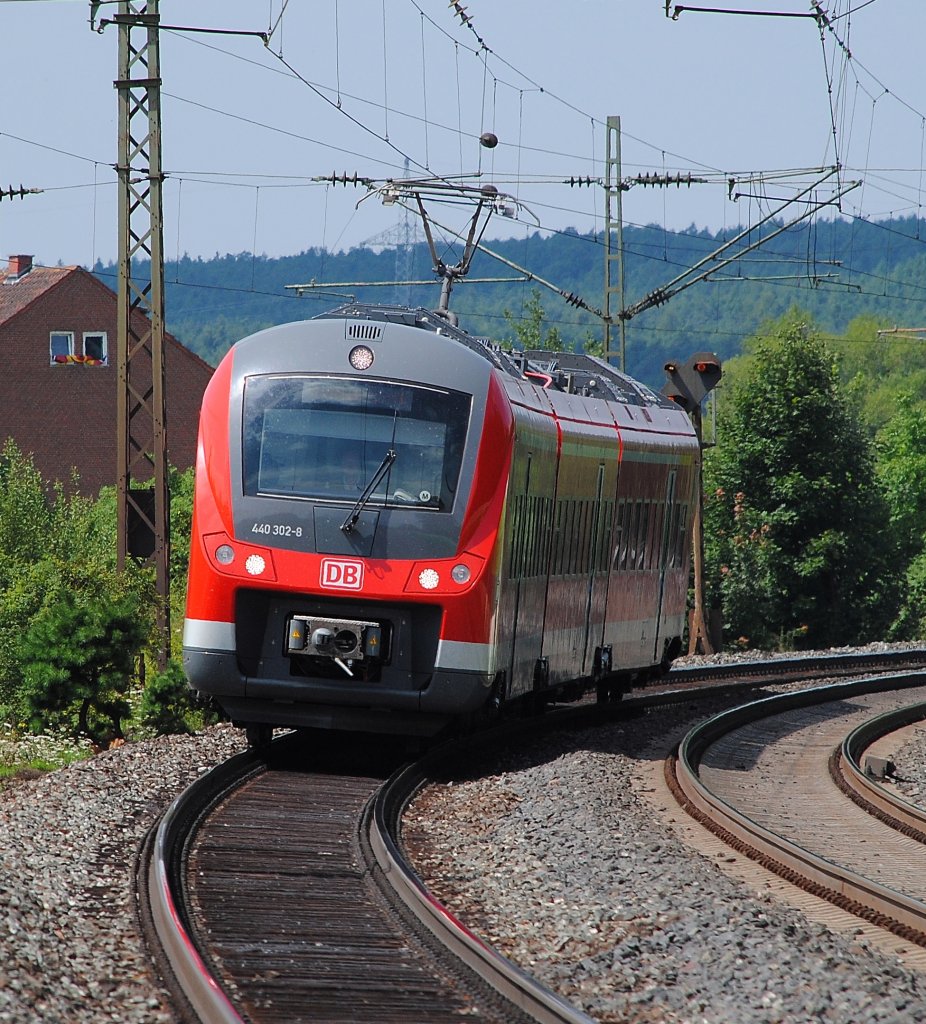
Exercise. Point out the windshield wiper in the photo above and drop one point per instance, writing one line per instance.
(351, 521)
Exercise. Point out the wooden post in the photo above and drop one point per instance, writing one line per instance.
(699, 634)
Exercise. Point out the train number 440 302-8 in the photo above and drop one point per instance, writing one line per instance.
(276, 530)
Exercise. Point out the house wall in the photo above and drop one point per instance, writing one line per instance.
(65, 414)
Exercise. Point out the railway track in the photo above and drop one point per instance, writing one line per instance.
(784, 781)
(277, 890)
(801, 667)
(268, 894)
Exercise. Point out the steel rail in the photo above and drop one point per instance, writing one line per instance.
(192, 976)
(800, 666)
(515, 984)
(891, 807)
(840, 885)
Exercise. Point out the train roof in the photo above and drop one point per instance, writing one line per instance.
(569, 372)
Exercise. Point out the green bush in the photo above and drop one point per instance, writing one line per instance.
(168, 705)
(78, 657)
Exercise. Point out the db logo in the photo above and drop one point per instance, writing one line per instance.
(341, 574)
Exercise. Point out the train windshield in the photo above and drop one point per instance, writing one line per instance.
(325, 438)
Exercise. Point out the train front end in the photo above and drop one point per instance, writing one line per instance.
(345, 523)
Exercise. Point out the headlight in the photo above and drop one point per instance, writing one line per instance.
(460, 573)
(429, 579)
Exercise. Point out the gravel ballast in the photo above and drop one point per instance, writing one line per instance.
(554, 851)
(70, 949)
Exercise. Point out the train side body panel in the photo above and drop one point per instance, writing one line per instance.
(579, 564)
(524, 537)
(656, 492)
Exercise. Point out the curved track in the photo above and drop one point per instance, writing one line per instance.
(246, 867)
(275, 890)
(856, 773)
(760, 776)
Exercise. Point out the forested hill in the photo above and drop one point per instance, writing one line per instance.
(836, 270)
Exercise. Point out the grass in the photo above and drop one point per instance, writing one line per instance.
(25, 754)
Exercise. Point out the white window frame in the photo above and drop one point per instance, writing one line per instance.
(105, 347)
(51, 351)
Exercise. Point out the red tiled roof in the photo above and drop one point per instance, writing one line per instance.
(17, 295)
(65, 415)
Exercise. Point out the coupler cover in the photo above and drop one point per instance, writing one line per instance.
(347, 639)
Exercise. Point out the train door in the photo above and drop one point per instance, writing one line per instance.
(669, 524)
(598, 565)
(532, 511)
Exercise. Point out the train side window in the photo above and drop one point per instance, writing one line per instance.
(530, 533)
(558, 539)
(537, 532)
(633, 525)
(678, 537)
(642, 531)
(653, 546)
(516, 517)
(544, 535)
(672, 538)
(605, 530)
(581, 535)
(659, 536)
(588, 552)
(575, 553)
(678, 524)
(570, 529)
(682, 535)
(620, 547)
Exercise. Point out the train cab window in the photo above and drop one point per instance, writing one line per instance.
(327, 438)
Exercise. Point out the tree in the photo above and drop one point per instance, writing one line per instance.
(529, 328)
(78, 657)
(52, 543)
(792, 502)
(901, 447)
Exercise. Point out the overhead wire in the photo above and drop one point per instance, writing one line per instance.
(484, 53)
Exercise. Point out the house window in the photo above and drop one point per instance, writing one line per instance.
(95, 346)
(61, 345)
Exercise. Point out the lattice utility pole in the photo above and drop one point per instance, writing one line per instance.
(614, 261)
(141, 407)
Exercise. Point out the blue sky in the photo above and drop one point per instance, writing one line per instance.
(362, 85)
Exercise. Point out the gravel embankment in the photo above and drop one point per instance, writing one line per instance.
(70, 950)
(555, 854)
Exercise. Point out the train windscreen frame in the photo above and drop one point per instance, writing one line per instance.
(325, 438)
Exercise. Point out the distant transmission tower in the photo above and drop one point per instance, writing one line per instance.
(404, 251)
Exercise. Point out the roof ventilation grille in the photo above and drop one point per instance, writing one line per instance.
(364, 332)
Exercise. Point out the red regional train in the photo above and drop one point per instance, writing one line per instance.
(398, 526)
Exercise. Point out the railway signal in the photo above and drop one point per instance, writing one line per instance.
(688, 384)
